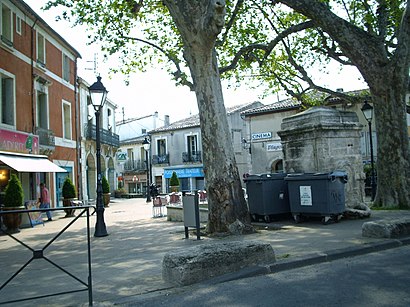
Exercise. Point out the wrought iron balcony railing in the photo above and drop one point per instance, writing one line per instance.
(160, 159)
(45, 137)
(107, 137)
(135, 165)
(191, 157)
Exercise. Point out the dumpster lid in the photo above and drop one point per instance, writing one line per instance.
(317, 176)
(268, 176)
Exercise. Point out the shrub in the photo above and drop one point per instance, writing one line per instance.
(13, 194)
(105, 185)
(69, 190)
(174, 181)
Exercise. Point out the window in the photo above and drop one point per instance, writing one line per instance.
(161, 147)
(110, 120)
(42, 110)
(18, 25)
(67, 120)
(41, 49)
(7, 105)
(6, 25)
(192, 143)
(66, 68)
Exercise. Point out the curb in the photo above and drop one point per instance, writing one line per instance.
(307, 260)
(336, 254)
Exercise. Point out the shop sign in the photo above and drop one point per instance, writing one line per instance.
(21, 142)
(261, 135)
(185, 172)
(122, 156)
(274, 147)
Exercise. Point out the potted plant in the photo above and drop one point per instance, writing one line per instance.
(69, 194)
(174, 182)
(119, 193)
(13, 200)
(106, 191)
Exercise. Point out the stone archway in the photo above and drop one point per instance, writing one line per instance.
(276, 166)
(91, 177)
(111, 174)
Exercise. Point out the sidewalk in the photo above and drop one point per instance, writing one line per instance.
(128, 262)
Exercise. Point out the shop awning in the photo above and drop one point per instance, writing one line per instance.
(30, 163)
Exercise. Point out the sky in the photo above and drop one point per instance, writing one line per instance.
(154, 91)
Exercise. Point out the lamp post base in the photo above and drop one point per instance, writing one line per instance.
(100, 228)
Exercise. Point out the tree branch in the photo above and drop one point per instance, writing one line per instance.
(178, 74)
(267, 48)
(230, 23)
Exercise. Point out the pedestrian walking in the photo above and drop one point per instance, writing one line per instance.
(45, 200)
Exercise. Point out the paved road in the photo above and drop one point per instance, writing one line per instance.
(377, 279)
(128, 263)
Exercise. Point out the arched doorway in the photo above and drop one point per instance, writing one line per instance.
(277, 166)
(91, 177)
(111, 174)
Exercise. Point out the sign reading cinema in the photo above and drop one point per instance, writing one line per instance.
(261, 135)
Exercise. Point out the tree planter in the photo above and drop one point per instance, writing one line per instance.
(12, 221)
(67, 202)
(69, 194)
(106, 198)
(13, 200)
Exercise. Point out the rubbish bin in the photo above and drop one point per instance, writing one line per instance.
(267, 195)
(317, 194)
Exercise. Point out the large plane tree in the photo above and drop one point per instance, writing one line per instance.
(181, 33)
(374, 36)
(278, 45)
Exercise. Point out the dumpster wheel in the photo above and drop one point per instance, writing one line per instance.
(326, 220)
(297, 218)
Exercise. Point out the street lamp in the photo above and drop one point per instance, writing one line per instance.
(367, 110)
(98, 94)
(147, 146)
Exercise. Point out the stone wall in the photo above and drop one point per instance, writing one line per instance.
(323, 139)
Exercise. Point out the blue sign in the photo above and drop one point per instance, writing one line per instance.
(185, 172)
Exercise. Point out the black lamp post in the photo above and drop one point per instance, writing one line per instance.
(147, 146)
(367, 110)
(98, 95)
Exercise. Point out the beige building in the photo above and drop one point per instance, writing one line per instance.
(178, 148)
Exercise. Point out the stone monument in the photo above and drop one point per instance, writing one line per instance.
(324, 139)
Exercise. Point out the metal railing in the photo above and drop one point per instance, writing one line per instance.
(46, 137)
(107, 137)
(135, 165)
(41, 254)
(191, 157)
(160, 159)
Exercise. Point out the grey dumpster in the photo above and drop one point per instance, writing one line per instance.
(267, 195)
(317, 194)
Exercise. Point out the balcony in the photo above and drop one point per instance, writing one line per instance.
(160, 159)
(106, 137)
(195, 157)
(135, 165)
(46, 137)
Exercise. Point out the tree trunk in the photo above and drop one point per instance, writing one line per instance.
(199, 23)
(393, 168)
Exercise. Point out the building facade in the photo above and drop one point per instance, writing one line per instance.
(39, 109)
(87, 151)
(178, 148)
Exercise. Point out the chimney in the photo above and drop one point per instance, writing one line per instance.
(339, 90)
(166, 120)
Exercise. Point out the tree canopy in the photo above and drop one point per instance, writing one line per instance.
(274, 42)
